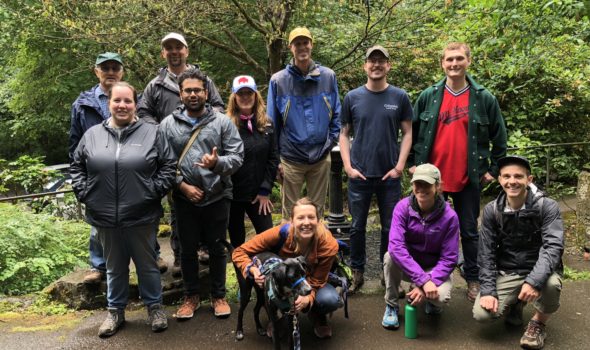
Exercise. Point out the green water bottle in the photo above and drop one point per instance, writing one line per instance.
(411, 321)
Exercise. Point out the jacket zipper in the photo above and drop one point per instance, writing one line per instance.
(117, 179)
(286, 112)
(328, 105)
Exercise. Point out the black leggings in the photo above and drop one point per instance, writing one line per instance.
(236, 228)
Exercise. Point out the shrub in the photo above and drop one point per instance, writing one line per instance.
(37, 249)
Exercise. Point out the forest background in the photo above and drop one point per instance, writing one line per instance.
(533, 55)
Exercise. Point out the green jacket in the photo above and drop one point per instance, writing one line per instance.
(486, 126)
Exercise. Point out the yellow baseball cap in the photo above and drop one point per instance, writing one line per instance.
(299, 31)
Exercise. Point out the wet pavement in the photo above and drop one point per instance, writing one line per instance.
(454, 329)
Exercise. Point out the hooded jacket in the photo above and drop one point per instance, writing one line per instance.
(122, 178)
(161, 96)
(86, 113)
(217, 130)
(305, 110)
(526, 242)
(417, 244)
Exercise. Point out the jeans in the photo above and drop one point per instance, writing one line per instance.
(209, 224)
(326, 300)
(95, 252)
(120, 246)
(236, 228)
(466, 205)
(359, 200)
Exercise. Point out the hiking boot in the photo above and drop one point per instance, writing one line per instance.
(176, 271)
(431, 309)
(358, 280)
(390, 319)
(321, 328)
(220, 307)
(157, 318)
(162, 266)
(534, 335)
(94, 276)
(188, 307)
(114, 321)
(472, 290)
(514, 315)
(203, 254)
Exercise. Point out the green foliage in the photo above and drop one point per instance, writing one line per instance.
(575, 275)
(37, 249)
(26, 174)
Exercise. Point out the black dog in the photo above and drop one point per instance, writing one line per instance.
(284, 281)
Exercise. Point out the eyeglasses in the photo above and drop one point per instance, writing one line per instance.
(380, 61)
(115, 68)
(245, 92)
(189, 91)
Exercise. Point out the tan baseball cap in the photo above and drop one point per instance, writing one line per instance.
(299, 31)
(174, 36)
(427, 173)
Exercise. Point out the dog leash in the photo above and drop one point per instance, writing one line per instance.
(296, 334)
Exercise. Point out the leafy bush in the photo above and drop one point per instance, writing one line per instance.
(37, 249)
(26, 173)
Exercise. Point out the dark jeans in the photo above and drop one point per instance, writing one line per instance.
(208, 223)
(236, 228)
(466, 204)
(326, 300)
(360, 193)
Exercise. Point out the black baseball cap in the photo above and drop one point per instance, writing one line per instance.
(514, 159)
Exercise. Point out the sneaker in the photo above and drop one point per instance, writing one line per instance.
(188, 307)
(114, 321)
(472, 290)
(358, 280)
(157, 318)
(203, 254)
(321, 328)
(390, 319)
(94, 276)
(162, 266)
(514, 315)
(534, 335)
(431, 309)
(176, 271)
(220, 307)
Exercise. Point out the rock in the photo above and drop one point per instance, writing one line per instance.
(583, 209)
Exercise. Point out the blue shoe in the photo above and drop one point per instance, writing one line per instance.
(431, 309)
(390, 320)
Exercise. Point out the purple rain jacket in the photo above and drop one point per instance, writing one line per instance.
(417, 244)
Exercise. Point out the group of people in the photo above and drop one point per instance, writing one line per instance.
(127, 154)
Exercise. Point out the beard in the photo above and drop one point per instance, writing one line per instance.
(197, 107)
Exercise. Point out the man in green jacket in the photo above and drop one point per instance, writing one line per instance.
(458, 127)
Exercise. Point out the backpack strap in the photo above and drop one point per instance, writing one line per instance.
(283, 234)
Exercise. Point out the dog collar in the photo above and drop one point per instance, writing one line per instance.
(298, 282)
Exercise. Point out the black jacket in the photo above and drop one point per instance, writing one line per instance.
(527, 242)
(122, 179)
(161, 97)
(261, 160)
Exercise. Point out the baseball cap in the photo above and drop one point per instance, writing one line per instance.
(514, 159)
(299, 31)
(108, 56)
(243, 81)
(377, 48)
(174, 36)
(426, 172)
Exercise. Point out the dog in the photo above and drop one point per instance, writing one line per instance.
(284, 281)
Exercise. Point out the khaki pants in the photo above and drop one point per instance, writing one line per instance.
(508, 287)
(393, 277)
(314, 175)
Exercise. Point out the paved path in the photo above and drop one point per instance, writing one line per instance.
(454, 329)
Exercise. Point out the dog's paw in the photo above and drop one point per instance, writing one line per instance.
(239, 335)
(261, 331)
